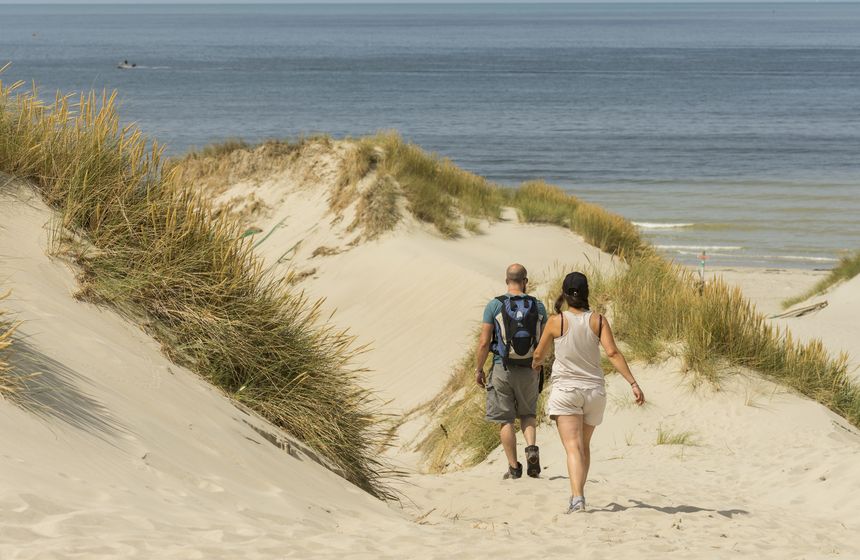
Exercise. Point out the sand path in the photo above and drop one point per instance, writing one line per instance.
(125, 455)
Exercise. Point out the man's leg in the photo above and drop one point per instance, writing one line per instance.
(528, 425)
(508, 436)
(501, 406)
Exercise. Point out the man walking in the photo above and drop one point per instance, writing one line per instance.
(511, 328)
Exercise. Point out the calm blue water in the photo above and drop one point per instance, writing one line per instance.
(739, 124)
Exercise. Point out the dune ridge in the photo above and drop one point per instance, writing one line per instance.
(152, 461)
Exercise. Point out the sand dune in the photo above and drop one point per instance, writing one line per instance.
(768, 287)
(127, 455)
(837, 325)
(123, 454)
(769, 475)
(413, 296)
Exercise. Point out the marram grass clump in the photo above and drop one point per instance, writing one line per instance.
(9, 383)
(150, 247)
(458, 431)
(848, 268)
(540, 202)
(671, 437)
(452, 199)
(436, 191)
(458, 434)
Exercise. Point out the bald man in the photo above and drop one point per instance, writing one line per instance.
(512, 385)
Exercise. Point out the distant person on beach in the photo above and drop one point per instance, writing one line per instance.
(511, 329)
(578, 396)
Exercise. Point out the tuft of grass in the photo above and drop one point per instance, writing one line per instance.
(459, 430)
(669, 437)
(219, 165)
(220, 149)
(472, 225)
(848, 268)
(9, 383)
(152, 248)
(377, 210)
(437, 191)
(360, 160)
(540, 202)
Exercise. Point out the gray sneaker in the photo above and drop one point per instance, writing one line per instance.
(514, 473)
(577, 504)
(533, 461)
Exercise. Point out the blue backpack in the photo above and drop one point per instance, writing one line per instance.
(517, 330)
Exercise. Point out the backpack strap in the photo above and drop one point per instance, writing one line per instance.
(503, 299)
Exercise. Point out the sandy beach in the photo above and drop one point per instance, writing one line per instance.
(123, 454)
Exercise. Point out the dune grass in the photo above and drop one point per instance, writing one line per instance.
(9, 384)
(540, 202)
(377, 211)
(458, 432)
(150, 247)
(452, 199)
(657, 309)
(220, 149)
(212, 168)
(670, 437)
(437, 191)
(848, 268)
(459, 435)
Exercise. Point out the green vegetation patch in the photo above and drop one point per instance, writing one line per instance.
(848, 268)
(658, 309)
(9, 383)
(149, 246)
(437, 191)
(670, 437)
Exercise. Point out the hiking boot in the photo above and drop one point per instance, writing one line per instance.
(514, 472)
(533, 461)
(577, 504)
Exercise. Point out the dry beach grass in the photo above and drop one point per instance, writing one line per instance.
(150, 247)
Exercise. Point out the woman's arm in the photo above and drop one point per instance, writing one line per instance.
(551, 331)
(618, 362)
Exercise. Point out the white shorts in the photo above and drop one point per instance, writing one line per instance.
(590, 403)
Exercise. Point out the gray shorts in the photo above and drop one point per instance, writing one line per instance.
(511, 393)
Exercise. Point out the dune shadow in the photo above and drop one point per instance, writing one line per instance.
(51, 390)
(613, 507)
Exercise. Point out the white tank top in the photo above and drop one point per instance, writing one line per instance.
(577, 355)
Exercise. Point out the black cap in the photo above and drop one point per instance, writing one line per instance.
(575, 284)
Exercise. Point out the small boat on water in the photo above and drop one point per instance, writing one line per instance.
(124, 65)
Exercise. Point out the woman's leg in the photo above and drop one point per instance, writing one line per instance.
(587, 432)
(570, 432)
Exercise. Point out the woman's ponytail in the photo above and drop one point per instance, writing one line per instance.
(559, 301)
(575, 301)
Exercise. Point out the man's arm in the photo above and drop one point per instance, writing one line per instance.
(482, 352)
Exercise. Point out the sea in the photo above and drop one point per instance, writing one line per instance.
(728, 128)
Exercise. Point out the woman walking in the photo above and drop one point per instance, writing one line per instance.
(578, 396)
